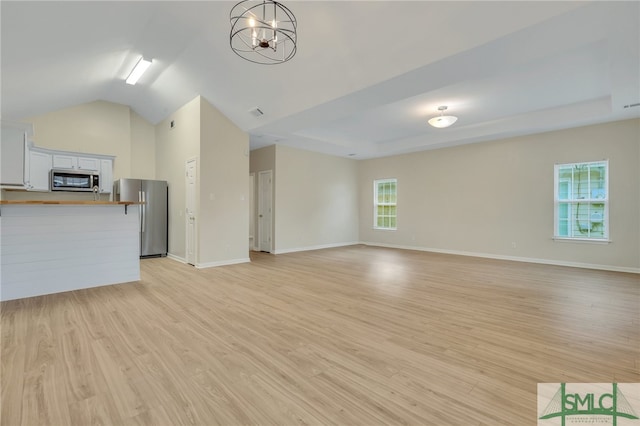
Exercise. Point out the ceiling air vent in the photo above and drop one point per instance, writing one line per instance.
(256, 112)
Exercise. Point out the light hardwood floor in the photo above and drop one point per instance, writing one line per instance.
(349, 336)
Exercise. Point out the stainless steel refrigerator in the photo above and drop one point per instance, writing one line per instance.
(153, 196)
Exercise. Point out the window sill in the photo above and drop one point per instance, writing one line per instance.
(385, 229)
(580, 240)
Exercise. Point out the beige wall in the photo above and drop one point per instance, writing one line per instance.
(95, 128)
(222, 206)
(174, 146)
(315, 197)
(262, 159)
(146, 151)
(316, 204)
(473, 199)
(224, 189)
(483, 198)
(143, 148)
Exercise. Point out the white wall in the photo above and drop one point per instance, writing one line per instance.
(482, 198)
(316, 204)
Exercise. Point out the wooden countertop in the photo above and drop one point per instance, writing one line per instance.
(69, 202)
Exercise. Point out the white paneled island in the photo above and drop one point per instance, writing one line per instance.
(54, 246)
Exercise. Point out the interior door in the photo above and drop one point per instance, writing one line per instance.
(191, 173)
(252, 211)
(265, 191)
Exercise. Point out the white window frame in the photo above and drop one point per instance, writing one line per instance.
(575, 202)
(376, 183)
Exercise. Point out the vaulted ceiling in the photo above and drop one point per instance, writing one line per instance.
(365, 79)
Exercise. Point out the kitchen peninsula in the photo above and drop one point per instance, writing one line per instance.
(50, 246)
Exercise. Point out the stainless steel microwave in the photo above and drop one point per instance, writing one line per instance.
(71, 180)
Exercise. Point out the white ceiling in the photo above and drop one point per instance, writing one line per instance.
(365, 79)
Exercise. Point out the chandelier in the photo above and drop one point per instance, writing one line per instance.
(263, 32)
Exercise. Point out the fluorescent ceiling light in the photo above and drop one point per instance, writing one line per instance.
(138, 70)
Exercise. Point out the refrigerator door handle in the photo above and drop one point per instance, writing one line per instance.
(144, 208)
(140, 209)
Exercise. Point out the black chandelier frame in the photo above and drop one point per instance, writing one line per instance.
(263, 31)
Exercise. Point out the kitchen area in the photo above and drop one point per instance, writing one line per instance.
(66, 225)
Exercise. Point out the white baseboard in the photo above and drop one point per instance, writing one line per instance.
(222, 263)
(318, 247)
(176, 258)
(512, 258)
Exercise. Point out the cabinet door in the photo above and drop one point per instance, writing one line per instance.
(86, 163)
(64, 161)
(39, 168)
(106, 176)
(12, 157)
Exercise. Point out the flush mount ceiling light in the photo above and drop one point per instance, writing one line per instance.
(442, 121)
(263, 32)
(138, 70)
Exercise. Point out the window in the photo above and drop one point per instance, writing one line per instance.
(384, 203)
(582, 201)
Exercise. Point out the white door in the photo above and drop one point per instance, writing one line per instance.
(252, 211)
(191, 212)
(265, 189)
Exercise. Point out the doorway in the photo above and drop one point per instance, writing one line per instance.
(190, 211)
(265, 195)
(252, 212)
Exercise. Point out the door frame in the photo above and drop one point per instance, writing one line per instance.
(186, 216)
(265, 174)
(252, 213)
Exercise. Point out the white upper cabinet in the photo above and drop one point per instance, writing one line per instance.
(12, 152)
(61, 161)
(26, 166)
(12, 157)
(37, 168)
(72, 162)
(92, 164)
(106, 176)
